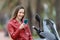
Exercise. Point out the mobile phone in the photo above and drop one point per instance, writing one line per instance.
(25, 21)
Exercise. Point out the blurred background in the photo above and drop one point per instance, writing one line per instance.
(45, 8)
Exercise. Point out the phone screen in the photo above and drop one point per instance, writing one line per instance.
(25, 21)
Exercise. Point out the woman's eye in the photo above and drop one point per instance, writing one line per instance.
(20, 12)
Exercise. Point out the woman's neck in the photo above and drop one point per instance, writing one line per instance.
(18, 20)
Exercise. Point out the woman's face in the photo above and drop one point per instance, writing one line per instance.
(20, 14)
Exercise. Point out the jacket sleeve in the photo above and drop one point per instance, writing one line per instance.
(30, 35)
(11, 31)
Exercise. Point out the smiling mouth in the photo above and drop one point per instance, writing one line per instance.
(20, 16)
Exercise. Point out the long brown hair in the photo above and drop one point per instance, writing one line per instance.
(16, 11)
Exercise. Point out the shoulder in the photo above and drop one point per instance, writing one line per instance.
(11, 21)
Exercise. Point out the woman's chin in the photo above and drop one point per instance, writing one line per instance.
(20, 18)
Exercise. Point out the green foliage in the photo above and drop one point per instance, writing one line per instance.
(1, 26)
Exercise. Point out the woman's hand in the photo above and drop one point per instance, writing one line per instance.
(21, 26)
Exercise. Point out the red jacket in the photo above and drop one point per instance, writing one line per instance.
(16, 33)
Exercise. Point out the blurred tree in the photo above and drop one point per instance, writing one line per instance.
(29, 14)
(57, 5)
(8, 6)
(38, 11)
(51, 7)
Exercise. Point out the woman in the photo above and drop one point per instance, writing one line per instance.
(16, 28)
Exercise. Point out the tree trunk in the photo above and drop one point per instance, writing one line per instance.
(29, 14)
(57, 5)
(38, 11)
